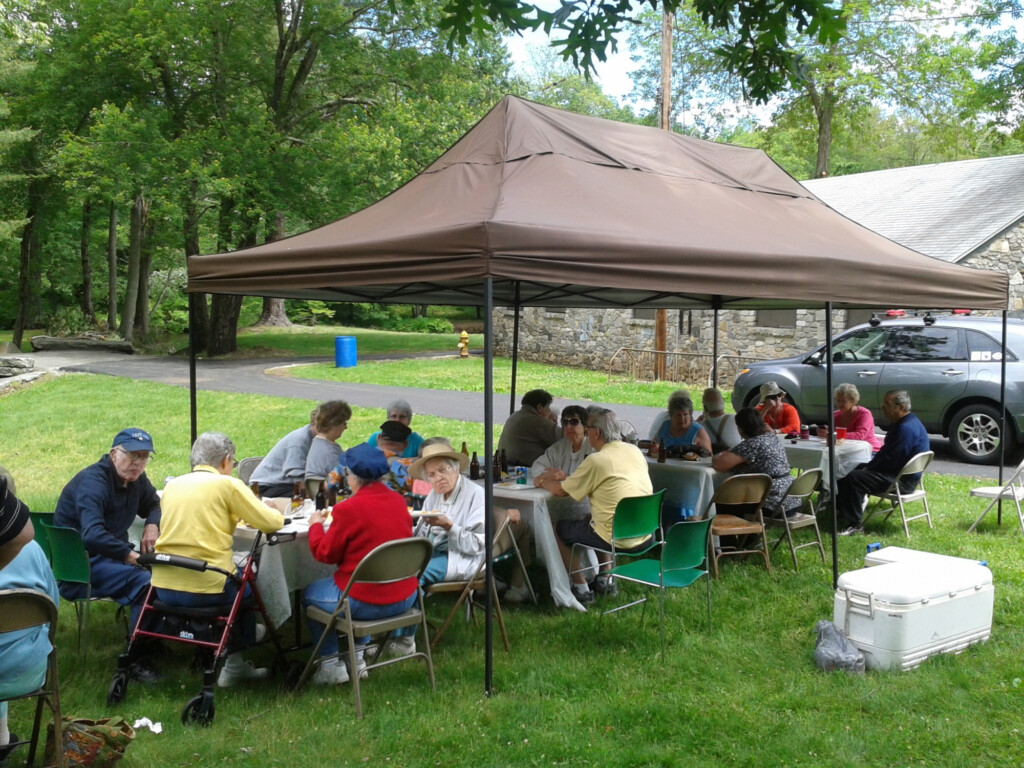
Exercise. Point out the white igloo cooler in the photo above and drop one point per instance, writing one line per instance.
(904, 555)
(899, 614)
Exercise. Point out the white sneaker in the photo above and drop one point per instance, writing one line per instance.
(360, 665)
(234, 673)
(331, 672)
(399, 647)
(516, 594)
(261, 632)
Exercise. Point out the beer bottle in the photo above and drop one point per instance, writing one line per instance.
(296, 496)
(465, 450)
(496, 467)
(332, 496)
(474, 468)
(321, 497)
(255, 489)
(662, 453)
(504, 462)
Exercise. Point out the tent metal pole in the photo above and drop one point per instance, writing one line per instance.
(1004, 435)
(489, 479)
(831, 444)
(714, 351)
(192, 407)
(515, 353)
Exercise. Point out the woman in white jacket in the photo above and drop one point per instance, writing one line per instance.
(453, 513)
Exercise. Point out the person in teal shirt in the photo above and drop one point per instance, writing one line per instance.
(400, 410)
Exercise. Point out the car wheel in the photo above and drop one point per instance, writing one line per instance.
(974, 434)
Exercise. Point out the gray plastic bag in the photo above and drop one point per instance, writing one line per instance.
(833, 650)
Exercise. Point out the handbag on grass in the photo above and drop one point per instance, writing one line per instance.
(93, 743)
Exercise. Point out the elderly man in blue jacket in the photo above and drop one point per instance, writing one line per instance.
(101, 502)
(905, 439)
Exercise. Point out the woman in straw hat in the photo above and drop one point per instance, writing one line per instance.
(454, 522)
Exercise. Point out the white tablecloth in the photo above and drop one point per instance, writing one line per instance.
(688, 485)
(539, 508)
(813, 454)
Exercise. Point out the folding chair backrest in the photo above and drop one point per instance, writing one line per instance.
(686, 544)
(915, 464)
(394, 561)
(804, 484)
(247, 466)
(70, 562)
(742, 490)
(637, 516)
(25, 608)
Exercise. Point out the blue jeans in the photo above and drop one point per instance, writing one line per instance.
(119, 581)
(246, 620)
(436, 570)
(324, 594)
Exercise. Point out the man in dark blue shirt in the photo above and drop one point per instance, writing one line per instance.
(905, 439)
(101, 502)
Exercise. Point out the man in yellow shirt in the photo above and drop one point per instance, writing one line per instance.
(200, 513)
(616, 471)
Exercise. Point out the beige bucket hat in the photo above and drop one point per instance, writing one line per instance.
(437, 451)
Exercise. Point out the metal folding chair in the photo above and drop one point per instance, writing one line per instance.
(898, 499)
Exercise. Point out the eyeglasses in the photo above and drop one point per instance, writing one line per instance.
(774, 397)
(234, 463)
(438, 473)
(137, 457)
(571, 422)
(591, 426)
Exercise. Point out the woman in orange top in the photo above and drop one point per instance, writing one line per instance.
(778, 414)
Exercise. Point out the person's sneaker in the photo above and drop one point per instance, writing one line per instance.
(261, 632)
(233, 674)
(144, 672)
(582, 593)
(398, 647)
(605, 585)
(853, 530)
(331, 672)
(361, 665)
(12, 744)
(516, 594)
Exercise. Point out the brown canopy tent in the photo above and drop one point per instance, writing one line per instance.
(539, 207)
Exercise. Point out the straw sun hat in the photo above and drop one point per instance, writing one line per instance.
(437, 451)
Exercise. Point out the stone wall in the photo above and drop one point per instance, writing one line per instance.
(593, 338)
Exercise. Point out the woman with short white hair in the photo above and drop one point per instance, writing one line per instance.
(721, 426)
(858, 421)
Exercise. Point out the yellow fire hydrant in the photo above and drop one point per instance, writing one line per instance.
(463, 344)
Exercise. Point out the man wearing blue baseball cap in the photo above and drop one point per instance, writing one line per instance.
(101, 502)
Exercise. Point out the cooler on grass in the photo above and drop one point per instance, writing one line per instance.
(899, 614)
(904, 555)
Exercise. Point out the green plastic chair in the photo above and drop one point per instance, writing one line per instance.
(39, 522)
(684, 560)
(70, 562)
(635, 517)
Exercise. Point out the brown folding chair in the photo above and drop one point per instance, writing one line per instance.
(744, 494)
(897, 499)
(802, 487)
(467, 589)
(23, 609)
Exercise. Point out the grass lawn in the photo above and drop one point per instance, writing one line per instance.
(303, 341)
(467, 376)
(576, 689)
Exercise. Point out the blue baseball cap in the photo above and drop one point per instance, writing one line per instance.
(366, 461)
(133, 439)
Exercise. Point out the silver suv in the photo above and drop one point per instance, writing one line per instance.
(950, 368)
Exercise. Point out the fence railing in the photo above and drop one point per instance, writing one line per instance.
(633, 364)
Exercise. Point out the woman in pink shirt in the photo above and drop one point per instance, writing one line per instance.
(859, 423)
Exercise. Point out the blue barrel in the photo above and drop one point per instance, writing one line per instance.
(344, 351)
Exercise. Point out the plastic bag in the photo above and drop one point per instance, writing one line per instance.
(833, 650)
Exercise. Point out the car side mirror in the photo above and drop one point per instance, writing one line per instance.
(814, 359)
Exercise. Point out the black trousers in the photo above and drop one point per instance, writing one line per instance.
(855, 487)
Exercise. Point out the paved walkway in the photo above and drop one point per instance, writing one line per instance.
(256, 377)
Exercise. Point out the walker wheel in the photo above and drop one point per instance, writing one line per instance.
(198, 711)
(118, 688)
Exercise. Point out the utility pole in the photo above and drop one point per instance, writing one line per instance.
(665, 123)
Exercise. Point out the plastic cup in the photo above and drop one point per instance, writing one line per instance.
(840, 433)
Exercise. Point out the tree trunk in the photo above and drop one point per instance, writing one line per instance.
(112, 267)
(22, 320)
(824, 109)
(145, 267)
(199, 320)
(131, 289)
(87, 310)
(273, 314)
(224, 310)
